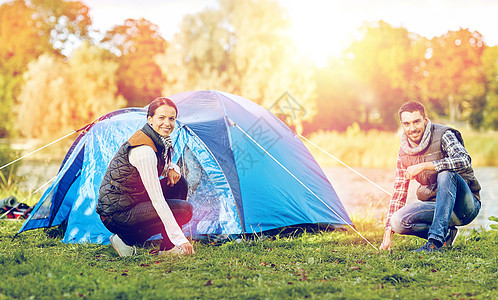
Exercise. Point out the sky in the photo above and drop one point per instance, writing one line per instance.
(320, 27)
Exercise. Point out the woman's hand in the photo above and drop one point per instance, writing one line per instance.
(173, 177)
(187, 248)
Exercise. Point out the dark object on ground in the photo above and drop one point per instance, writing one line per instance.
(14, 209)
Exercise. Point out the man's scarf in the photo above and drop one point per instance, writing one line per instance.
(410, 147)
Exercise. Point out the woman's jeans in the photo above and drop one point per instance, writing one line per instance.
(141, 222)
(455, 205)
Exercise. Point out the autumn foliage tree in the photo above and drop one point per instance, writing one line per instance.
(490, 111)
(64, 96)
(66, 22)
(21, 40)
(242, 48)
(338, 105)
(385, 65)
(388, 66)
(27, 30)
(455, 81)
(136, 43)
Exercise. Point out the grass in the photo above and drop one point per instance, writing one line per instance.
(378, 149)
(322, 265)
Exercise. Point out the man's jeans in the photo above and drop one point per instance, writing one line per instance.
(455, 205)
(141, 222)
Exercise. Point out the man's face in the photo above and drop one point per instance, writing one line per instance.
(414, 125)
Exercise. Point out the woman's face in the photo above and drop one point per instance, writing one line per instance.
(163, 120)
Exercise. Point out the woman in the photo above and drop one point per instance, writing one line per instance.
(133, 203)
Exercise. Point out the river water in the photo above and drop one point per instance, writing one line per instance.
(363, 199)
(359, 197)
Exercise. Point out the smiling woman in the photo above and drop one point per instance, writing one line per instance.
(133, 202)
(162, 118)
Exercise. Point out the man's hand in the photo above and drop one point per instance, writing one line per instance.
(413, 171)
(187, 248)
(173, 177)
(386, 242)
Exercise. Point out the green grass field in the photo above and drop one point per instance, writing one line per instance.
(321, 265)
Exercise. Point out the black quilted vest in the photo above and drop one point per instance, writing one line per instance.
(433, 152)
(122, 187)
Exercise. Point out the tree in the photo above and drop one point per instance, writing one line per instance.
(41, 99)
(6, 104)
(455, 80)
(490, 111)
(21, 40)
(22, 36)
(241, 48)
(93, 79)
(64, 96)
(27, 30)
(338, 106)
(66, 23)
(386, 66)
(136, 43)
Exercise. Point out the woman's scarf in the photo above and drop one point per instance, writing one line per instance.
(411, 148)
(160, 140)
(167, 147)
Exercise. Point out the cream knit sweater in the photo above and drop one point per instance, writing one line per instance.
(144, 159)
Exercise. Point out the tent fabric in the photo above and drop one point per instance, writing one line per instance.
(247, 171)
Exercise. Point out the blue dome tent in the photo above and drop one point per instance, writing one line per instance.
(247, 172)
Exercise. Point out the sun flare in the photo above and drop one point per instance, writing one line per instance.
(319, 29)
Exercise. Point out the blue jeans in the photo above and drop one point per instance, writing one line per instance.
(141, 222)
(455, 205)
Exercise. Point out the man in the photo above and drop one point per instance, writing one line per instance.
(435, 156)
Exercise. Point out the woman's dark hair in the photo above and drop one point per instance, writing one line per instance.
(411, 106)
(160, 101)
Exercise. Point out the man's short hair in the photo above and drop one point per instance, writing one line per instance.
(411, 106)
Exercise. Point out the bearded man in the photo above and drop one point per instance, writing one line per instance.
(434, 155)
